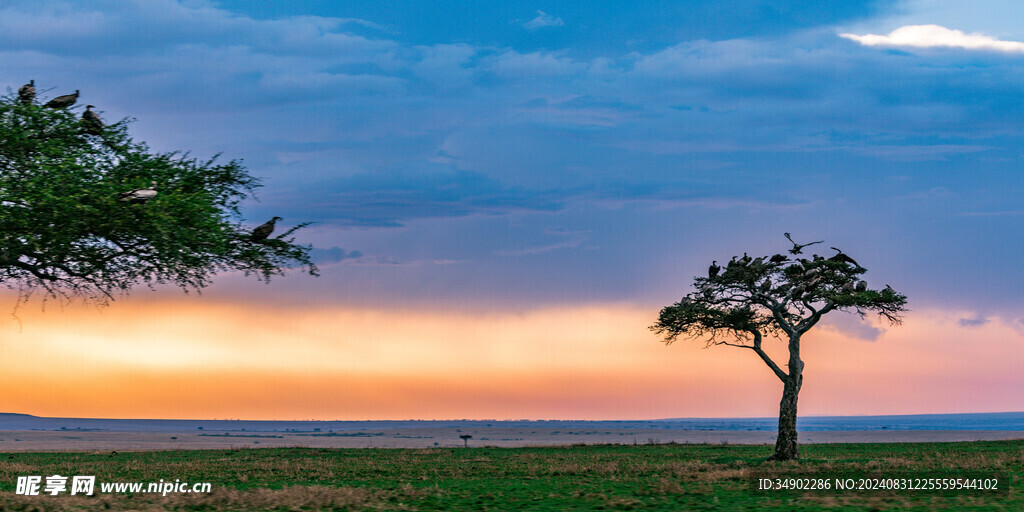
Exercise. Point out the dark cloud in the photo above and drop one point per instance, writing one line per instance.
(392, 197)
(666, 139)
(333, 255)
(977, 321)
(598, 27)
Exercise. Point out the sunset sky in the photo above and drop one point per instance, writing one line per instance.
(504, 194)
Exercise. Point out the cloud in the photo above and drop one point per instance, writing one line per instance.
(853, 326)
(977, 321)
(935, 36)
(333, 255)
(543, 19)
(570, 240)
(391, 197)
(724, 129)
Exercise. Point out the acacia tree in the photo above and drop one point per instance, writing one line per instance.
(779, 297)
(67, 230)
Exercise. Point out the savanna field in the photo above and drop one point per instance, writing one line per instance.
(581, 478)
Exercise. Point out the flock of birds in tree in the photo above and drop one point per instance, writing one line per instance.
(92, 124)
(806, 281)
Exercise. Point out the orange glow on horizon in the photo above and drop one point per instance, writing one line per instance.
(194, 358)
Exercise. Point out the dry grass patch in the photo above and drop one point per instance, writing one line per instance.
(295, 497)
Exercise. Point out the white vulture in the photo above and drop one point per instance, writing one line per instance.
(843, 258)
(139, 195)
(797, 248)
(27, 92)
(91, 122)
(64, 101)
(264, 230)
(713, 269)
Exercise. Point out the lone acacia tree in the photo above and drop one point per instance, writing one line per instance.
(779, 297)
(66, 230)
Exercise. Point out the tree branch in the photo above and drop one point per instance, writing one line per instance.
(810, 321)
(783, 376)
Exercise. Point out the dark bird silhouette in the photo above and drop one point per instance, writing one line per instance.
(778, 258)
(810, 273)
(757, 261)
(64, 101)
(713, 269)
(766, 285)
(745, 260)
(27, 92)
(732, 262)
(264, 230)
(861, 286)
(139, 195)
(848, 287)
(91, 122)
(888, 291)
(842, 257)
(797, 247)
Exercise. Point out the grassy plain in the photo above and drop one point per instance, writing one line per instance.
(672, 477)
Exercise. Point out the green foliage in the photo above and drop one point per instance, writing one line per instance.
(564, 478)
(64, 230)
(761, 297)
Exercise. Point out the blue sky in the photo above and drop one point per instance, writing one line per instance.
(504, 155)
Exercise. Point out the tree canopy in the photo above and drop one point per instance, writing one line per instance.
(66, 227)
(779, 297)
(773, 297)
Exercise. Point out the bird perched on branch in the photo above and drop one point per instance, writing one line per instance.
(264, 230)
(813, 283)
(139, 195)
(27, 92)
(861, 286)
(713, 269)
(745, 260)
(91, 122)
(64, 101)
(797, 247)
(778, 258)
(842, 257)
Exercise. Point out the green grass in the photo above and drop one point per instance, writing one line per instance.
(583, 478)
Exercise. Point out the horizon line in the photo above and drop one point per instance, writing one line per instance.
(677, 418)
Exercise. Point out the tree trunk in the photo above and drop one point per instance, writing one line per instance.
(786, 444)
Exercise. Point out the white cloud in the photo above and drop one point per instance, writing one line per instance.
(935, 36)
(543, 19)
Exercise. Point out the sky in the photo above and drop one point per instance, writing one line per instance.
(504, 194)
